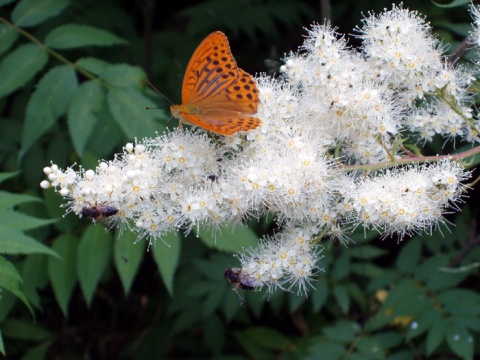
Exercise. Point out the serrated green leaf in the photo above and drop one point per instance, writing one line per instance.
(72, 36)
(94, 253)
(93, 65)
(14, 242)
(127, 106)
(20, 66)
(268, 338)
(8, 175)
(231, 238)
(21, 221)
(10, 280)
(7, 38)
(8, 274)
(409, 256)
(435, 335)
(167, 258)
(127, 254)
(63, 273)
(86, 100)
(33, 12)
(48, 103)
(459, 340)
(341, 296)
(123, 75)
(25, 330)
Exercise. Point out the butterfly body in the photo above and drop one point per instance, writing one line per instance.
(216, 94)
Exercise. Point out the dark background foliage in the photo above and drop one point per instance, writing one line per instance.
(109, 298)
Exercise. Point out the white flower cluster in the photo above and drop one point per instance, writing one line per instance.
(337, 107)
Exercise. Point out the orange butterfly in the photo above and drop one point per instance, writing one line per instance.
(216, 94)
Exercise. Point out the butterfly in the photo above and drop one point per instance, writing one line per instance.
(216, 94)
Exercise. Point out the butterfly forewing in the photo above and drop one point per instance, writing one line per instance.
(211, 69)
(216, 94)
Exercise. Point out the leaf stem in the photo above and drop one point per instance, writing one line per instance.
(48, 50)
(411, 160)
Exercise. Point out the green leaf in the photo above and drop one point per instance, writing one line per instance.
(451, 4)
(93, 65)
(323, 350)
(341, 266)
(371, 347)
(94, 253)
(127, 254)
(62, 273)
(341, 296)
(21, 221)
(423, 323)
(35, 276)
(320, 294)
(435, 335)
(86, 100)
(9, 200)
(127, 106)
(25, 330)
(167, 258)
(7, 38)
(2, 345)
(460, 302)
(123, 75)
(72, 36)
(214, 334)
(10, 280)
(48, 103)
(33, 12)
(268, 338)
(342, 331)
(8, 273)
(20, 66)
(37, 352)
(459, 340)
(6, 2)
(8, 175)
(231, 238)
(366, 252)
(409, 256)
(14, 242)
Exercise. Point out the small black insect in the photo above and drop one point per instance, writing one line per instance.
(238, 280)
(99, 212)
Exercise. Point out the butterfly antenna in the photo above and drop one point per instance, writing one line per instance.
(158, 92)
